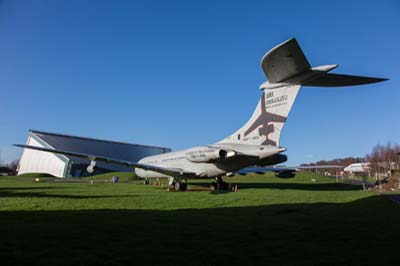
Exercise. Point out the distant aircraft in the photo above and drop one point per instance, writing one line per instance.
(358, 168)
(254, 144)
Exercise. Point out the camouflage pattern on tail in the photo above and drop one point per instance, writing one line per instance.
(267, 121)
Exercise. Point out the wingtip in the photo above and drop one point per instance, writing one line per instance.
(376, 80)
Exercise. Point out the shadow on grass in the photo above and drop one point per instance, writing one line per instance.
(296, 186)
(16, 192)
(29, 188)
(8, 194)
(290, 234)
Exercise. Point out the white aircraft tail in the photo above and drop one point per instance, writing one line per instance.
(267, 121)
(287, 69)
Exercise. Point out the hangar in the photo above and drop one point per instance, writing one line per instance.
(33, 161)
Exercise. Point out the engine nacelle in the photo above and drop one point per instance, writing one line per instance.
(92, 167)
(285, 174)
(207, 154)
(273, 160)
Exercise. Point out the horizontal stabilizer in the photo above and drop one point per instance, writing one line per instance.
(335, 80)
(284, 61)
(287, 64)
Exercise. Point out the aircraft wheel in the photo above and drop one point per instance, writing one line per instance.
(213, 186)
(179, 186)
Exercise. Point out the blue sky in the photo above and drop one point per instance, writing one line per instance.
(184, 73)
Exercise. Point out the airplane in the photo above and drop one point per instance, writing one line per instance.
(358, 168)
(254, 144)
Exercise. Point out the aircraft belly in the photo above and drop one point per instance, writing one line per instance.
(148, 174)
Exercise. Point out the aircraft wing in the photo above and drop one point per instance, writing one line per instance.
(160, 169)
(285, 171)
(260, 170)
(281, 172)
(288, 168)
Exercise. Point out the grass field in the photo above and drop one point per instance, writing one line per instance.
(268, 221)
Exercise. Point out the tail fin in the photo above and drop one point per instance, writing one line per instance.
(286, 68)
(267, 121)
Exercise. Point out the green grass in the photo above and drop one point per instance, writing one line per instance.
(268, 221)
(123, 176)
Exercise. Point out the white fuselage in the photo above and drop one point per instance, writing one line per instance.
(177, 159)
(209, 161)
(357, 168)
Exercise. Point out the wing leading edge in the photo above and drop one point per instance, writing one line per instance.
(175, 172)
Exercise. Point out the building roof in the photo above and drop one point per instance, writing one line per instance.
(93, 139)
(100, 147)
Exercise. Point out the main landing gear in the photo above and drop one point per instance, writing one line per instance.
(219, 184)
(180, 184)
(177, 184)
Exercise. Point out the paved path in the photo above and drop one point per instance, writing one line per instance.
(392, 197)
(359, 182)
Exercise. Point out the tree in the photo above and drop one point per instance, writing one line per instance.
(14, 166)
(384, 159)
